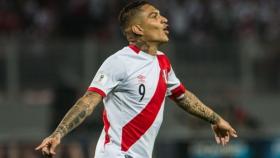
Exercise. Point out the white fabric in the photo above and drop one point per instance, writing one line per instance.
(120, 77)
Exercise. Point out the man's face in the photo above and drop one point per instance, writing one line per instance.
(154, 26)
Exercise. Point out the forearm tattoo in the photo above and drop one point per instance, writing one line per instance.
(77, 114)
(194, 106)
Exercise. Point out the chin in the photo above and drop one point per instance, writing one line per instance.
(165, 40)
(161, 40)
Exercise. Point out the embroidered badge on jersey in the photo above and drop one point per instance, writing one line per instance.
(101, 78)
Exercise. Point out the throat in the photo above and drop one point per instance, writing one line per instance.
(147, 48)
(151, 51)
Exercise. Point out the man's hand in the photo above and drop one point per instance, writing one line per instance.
(48, 145)
(223, 131)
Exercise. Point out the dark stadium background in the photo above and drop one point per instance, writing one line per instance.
(226, 51)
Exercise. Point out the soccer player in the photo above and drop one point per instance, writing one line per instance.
(133, 84)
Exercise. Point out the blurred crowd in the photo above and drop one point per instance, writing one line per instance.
(191, 19)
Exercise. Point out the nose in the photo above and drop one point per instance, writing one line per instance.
(164, 19)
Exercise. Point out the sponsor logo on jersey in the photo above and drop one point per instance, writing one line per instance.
(141, 78)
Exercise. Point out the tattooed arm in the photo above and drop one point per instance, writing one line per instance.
(194, 106)
(222, 129)
(77, 114)
(74, 117)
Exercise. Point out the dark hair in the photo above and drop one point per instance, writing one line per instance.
(130, 11)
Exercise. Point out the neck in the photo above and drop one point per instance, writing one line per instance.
(150, 48)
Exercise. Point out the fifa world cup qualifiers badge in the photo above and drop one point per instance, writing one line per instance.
(100, 78)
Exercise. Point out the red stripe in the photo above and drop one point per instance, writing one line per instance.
(134, 48)
(164, 62)
(133, 130)
(106, 127)
(177, 91)
(97, 90)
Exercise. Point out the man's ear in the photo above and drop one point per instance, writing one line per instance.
(137, 29)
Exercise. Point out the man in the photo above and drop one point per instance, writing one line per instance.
(133, 84)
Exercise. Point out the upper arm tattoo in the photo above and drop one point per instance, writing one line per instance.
(77, 114)
(193, 105)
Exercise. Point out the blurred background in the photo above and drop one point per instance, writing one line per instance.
(225, 51)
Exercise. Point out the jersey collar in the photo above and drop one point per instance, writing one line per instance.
(134, 48)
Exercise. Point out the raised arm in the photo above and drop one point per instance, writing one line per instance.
(222, 129)
(74, 117)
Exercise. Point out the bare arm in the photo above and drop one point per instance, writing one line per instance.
(77, 114)
(221, 128)
(191, 104)
(74, 117)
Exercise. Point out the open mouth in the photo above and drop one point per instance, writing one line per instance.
(166, 31)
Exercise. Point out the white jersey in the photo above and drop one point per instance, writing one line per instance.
(133, 85)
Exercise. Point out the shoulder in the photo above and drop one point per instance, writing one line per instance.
(114, 64)
(121, 54)
(117, 56)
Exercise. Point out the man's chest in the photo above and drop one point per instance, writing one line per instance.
(143, 81)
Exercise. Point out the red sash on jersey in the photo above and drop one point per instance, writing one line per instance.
(137, 127)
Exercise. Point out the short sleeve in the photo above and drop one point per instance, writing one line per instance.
(175, 89)
(109, 75)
